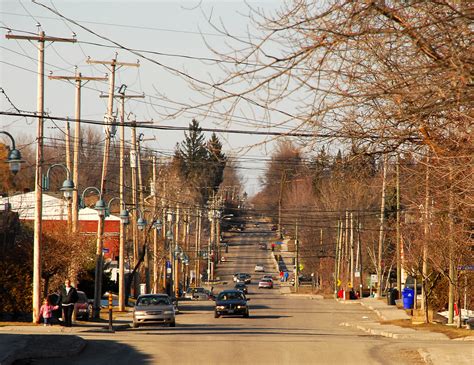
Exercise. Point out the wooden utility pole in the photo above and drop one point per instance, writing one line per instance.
(351, 241)
(155, 232)
(41, 38)
(198, 247)
(133, 166)
(123, 229)
(78, 79)
(336, 260)
(426, 225)
(114, 66)
(381, 228)
(398, 237)
(297, 263)
(176, 260)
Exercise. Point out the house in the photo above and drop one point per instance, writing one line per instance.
(55, 209)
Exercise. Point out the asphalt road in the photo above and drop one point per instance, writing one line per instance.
(281, 329)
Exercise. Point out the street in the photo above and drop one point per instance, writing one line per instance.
(282, 329)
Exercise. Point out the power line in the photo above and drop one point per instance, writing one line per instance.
(222, 130)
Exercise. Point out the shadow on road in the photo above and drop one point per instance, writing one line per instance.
(100, 352)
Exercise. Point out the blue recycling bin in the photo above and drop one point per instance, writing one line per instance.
(408, 298)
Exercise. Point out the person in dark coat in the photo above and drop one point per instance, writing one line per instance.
(67, 299)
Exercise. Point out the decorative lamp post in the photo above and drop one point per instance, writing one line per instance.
(14, 156)
(68, 185)
(101, 208)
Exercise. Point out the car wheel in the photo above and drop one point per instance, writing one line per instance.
(135, 324)
(173, 324)
(246, 314)
(216, 315)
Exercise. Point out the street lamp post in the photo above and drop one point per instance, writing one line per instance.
(67, 189)
(157, 225)
(14, 156)
(124, 220)
(169, 241)
(101, 208)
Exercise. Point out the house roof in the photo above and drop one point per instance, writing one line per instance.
(53, 208)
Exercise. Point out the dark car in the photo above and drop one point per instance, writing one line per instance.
(244, 278)
(242, 287)
(262, 246)
(82, 308)
(231, 302)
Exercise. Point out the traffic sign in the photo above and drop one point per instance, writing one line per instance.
(105, 250)
(357, 274)
(339, 282)
(374, 278)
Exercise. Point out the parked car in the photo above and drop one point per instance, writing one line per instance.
(244, 278)
(274, 227)
(259, 268)
(82, 308)
(267, 276)
(231, 302)
(265, 283)
(242, 287)
(153, 308)
(262, 246)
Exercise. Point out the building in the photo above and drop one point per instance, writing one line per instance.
(55, 209)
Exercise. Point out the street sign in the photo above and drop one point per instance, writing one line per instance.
(374, 278)
(466, 268)
(105, 250)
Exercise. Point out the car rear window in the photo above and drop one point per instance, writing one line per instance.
(153, 301)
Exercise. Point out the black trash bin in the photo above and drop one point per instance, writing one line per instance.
(392, 295)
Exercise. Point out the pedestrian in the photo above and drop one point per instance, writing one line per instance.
(286, 275)
(281, 275)
(46, 311)
(67, 298)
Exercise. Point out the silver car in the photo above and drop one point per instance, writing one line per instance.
(153, 308)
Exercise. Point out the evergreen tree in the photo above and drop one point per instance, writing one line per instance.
(192, 152)
(217, 161)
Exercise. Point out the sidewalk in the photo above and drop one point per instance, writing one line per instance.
(435, 348)
(37, 341)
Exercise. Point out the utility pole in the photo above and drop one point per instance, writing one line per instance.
(78, 79)
(114, 66)
(176, 259)
(359, 255)
(399, 256)
(123, 229)
(346, 252)
(297, 268)
(279, 203)
(155, 232)
(41, 38)
(381, 229)
(352, 250)
(133, 166)
(336, 260)
(198, 247)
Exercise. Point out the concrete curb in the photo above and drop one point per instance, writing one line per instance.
(42, 347)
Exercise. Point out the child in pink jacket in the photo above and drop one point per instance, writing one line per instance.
(46, 311)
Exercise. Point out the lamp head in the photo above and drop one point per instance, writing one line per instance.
(67, 188)
(124, 216)
(14, 160)
(141, 223)
(100, 207)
